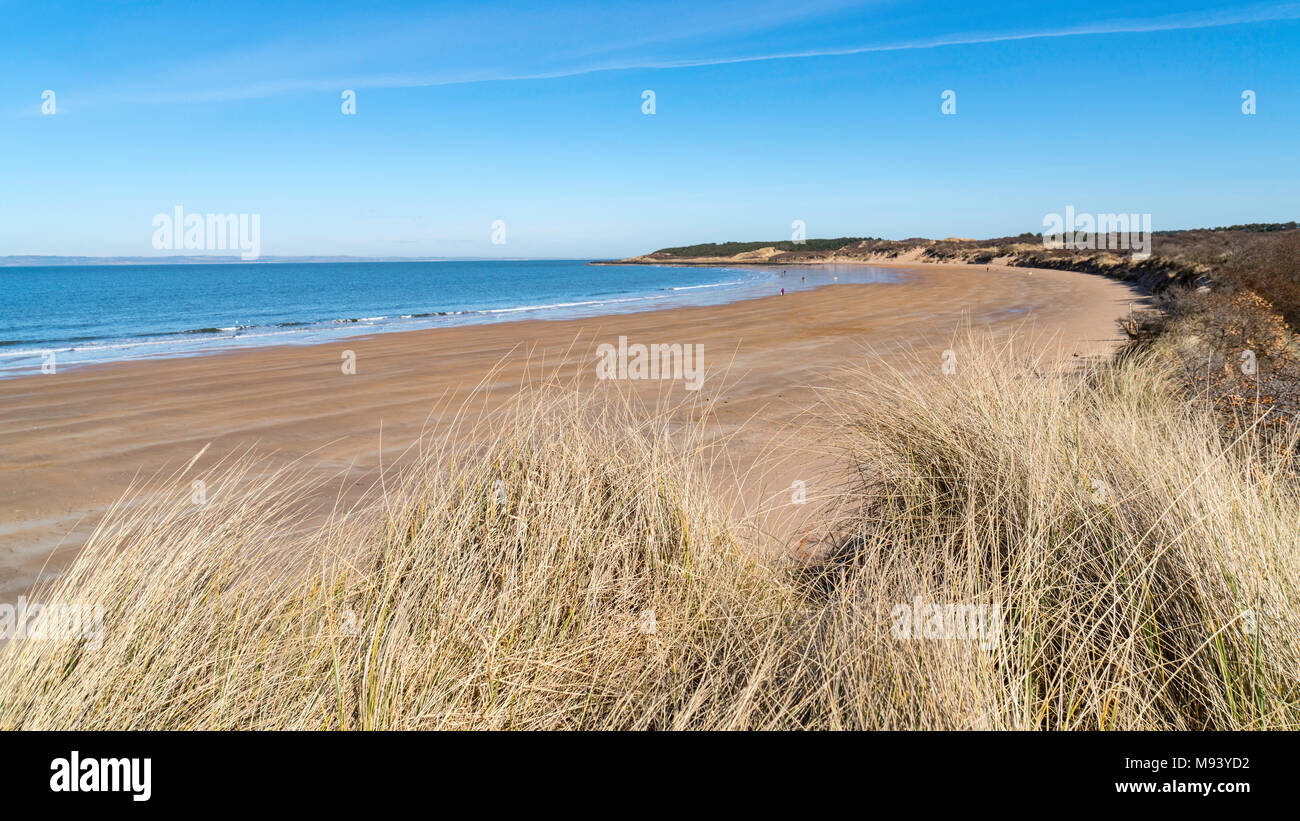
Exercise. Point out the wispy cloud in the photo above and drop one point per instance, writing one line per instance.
(288, 86)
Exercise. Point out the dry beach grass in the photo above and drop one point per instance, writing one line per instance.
(573, 570)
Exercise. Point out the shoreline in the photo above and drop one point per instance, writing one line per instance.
(190, 337)
(76, 440)
(215, 349)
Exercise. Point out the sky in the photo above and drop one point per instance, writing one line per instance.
(532, 116)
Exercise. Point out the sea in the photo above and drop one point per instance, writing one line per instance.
(74, 315)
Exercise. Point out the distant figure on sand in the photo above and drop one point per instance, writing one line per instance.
(782, 292)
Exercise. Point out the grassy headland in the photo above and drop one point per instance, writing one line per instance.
(1179, 257)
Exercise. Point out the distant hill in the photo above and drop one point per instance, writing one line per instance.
(1177, 256)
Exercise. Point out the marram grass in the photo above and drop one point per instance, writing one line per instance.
(575, 571)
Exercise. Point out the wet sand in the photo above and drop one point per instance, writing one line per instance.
(72, 442)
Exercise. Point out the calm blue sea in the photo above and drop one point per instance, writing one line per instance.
(89, 314)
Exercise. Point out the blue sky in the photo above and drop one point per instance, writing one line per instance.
(531, 113)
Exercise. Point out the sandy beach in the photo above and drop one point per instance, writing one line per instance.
(71, 443)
